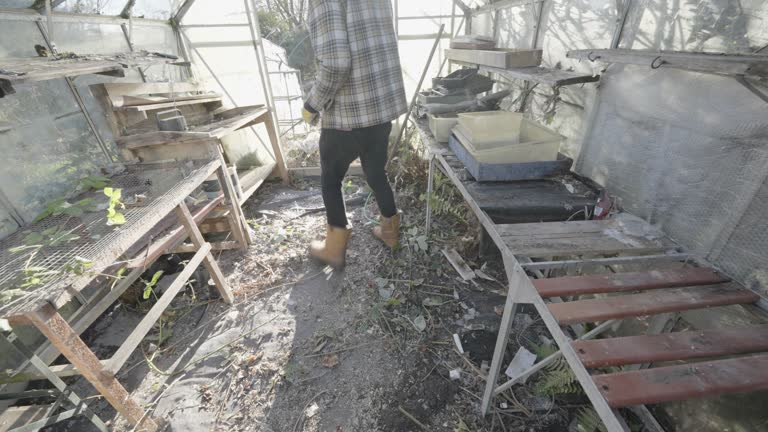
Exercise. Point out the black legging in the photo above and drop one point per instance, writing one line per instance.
(337, 151)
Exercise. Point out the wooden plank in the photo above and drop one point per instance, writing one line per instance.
(556, 229)
(160, 246)
(538, 74)
(116, 91)
(161, 103)
(185, 217)
(650, 303)
(664, 384)
(622, 282)
(588, 244)
(503, 58)
(149, 320)
(252, 180)
(672, 346)
(720, 63)
(592, 262)
(61, 335)
(459, 264)
(225, 123)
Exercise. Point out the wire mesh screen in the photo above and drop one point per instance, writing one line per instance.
(39, 262)
(685, 151)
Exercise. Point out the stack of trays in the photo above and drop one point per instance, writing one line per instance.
(503, 146)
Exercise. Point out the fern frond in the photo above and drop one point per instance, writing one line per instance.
(587, 420)
(558, 379)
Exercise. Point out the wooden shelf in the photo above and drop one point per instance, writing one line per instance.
(222, 125)
(719, 63)
(162, 103)
(17, 71)
(538, 74)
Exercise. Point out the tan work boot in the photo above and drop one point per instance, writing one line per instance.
(332, 250)
(388, 230)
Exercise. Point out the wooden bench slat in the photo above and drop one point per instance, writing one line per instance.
(650, 303)
(671, 346)
(664, 384)
(634, 281)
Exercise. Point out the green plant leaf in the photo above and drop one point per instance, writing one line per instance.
(116, 219)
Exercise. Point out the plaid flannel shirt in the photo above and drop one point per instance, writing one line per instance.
(359, 81)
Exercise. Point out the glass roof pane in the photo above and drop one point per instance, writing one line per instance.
(95, 7)
(154, 9)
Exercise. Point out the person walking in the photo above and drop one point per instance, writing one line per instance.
(357, 94)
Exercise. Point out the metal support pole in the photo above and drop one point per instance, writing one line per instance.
(49, 20)
(258, 45)
(128, 33)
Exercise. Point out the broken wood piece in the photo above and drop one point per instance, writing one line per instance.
(459, 264)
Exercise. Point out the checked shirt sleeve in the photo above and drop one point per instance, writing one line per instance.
(328, 31)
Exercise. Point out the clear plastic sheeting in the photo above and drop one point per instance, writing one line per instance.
(730, 26)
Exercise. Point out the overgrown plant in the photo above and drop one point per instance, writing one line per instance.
(62, 206)
(114, 217)
(149, 287)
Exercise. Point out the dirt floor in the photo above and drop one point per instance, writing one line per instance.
(304, 348)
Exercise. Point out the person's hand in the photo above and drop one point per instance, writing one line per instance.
(310, 117)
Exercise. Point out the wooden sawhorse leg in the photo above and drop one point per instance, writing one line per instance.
(185, 217)
(239, 229)
(67, 341)
(274, 139)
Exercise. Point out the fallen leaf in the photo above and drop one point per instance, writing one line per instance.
(330, 361)
(420, 323)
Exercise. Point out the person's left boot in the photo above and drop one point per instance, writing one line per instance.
(388, 230)
(332, 250)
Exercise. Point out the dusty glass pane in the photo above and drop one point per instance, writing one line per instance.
(48, 148)
(18, 39)
(97, 7)
(158, 39)
(16, 4)
(86, 38)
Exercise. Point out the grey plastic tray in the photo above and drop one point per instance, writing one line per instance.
(487, 172)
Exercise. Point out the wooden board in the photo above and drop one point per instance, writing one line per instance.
(650, 303)
(541, 75)
(664, 384)
(501, 57)
(157, 103)
(585, 237)
(622, 282)
(224, 124)
(23, 70)
(253, 179)
(732, 64)
(459, 264)
(672, 346)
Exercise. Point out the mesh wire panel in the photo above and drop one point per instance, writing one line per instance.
(685, 154)
(75, 248)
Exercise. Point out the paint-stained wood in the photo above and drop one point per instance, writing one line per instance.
(650, 303)
(672, 346)
(622, 282)
(664, 384)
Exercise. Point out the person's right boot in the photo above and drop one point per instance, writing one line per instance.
(388, 230)
(332, 250)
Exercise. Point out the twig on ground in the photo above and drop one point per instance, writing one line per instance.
(338, 350)
(301, 414)
(411, 418)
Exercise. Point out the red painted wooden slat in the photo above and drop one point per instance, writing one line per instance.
(650, 303)
(664, 384)
(671, 346)
(619, 282)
